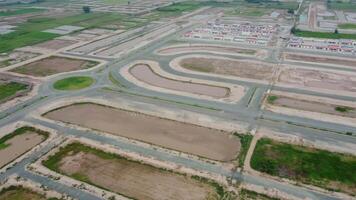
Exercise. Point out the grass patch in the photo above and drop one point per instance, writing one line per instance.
(271, 99)
(347, 26)
(245, 140)
(20, 131)
(19, 11)
(322, 168)
(301, 33)
(343, 109)
(20, 193)
(339, 5)
(9, 89)
(73, 83)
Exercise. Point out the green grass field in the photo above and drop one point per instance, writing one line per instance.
(347, 26)
(74, 83)
(245, 140)
(19, 12)
(345, 6)
(325, 169)
(9, 89)
(301, 33)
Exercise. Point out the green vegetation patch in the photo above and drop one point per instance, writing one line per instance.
(21, 193)
(7, 90)
(347, 26)
(343, 109)
(252, 195)
(245, 140)
(19, 11)
(341, 5)
(301, 33)
(20, 131)
(333, 171)
(73, 83)
(271, 99)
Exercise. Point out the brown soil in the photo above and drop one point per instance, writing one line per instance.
(135, 180)
(53, 65)
(55, 44)
(318, 79)
(318, 59)
(20, 193)
(201, 141)
(144, 73)
(244, 69)
(19, 145)
(312, 106)
(201, 48)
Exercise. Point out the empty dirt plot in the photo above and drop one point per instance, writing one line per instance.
(55, 44)
(172, 50)
(313, 106)
(145, 74)
(240, 68)
(20, 193)
(129, 178)
(54, 65)
(319, 59)
(192, 139)
(19, 142)
(318, 79)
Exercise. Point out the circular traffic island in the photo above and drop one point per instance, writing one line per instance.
(73, 83)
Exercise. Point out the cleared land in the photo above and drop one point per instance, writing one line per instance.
(19, 142)
(317, 59)
(347, 26)
(129, 178)
(204, 48)
(54, 65)
(251, 195)
(144, 73)
(9, 90)
(55, 44)
(20, 193)
(330, 170)
(201, 141)
(242, 69)
(312, 106)
(74, 83)
(318, 79)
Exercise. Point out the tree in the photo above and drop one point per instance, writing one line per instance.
(86, 9)
(336, 31)
(290, 11)
(293, 30)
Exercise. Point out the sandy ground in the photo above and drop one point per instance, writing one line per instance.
(318, 79)
(55, 44)
(53, 65)
(144, 73)
(19, 145)
(193, 48)
(236, 92)
(312, 106)
(188, 138)
(320, 59)
(240, 68)
(133, 179)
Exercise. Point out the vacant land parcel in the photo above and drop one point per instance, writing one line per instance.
(54, 65)
(129, 178)
(311, 166)
(19, 142)
(239, 68)
(10, 89)
(20, 193)
(201, 141)
(319, 59)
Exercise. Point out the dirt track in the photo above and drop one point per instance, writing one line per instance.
(243, 69)
(19, 145)
(201, 141)
(53, 65)
(318, 59)
(135, 180)
(144, 73)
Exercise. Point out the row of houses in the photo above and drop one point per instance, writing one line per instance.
(331, 45)
(246, 33)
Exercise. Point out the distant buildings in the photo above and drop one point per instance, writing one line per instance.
(331, 45)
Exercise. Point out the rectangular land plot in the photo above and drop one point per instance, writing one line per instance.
(322, 168)
(129, 178)
(54, 65)
(55, 44)
(318, 59)
(313, 106)
(19, 142)
(20, 193)
(201, 141)
(11, 89)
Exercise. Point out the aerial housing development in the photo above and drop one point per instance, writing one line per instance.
(177, 100)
